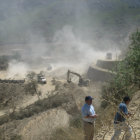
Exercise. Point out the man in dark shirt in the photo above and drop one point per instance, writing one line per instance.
(120, 120)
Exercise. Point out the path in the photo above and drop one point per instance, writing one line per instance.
(29, 99)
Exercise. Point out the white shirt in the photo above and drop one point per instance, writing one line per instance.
(88, 110)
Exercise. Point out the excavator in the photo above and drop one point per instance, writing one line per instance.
(82, 81)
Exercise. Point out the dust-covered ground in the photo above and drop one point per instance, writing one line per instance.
(66, 102)
(53, 110)
(33, 118)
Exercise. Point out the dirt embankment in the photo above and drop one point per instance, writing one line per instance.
(37, 120)
(41, 126)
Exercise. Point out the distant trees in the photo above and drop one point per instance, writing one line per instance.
(9, 94)
(32, 86)
(3, 62)
(5, 59)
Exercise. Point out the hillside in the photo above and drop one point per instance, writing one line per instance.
(22, 20)
(134, 107)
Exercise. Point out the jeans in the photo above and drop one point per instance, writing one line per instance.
(118, 129)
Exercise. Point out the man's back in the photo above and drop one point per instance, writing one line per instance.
(119, 121)
(122, 111)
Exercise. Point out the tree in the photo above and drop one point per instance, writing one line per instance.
(32, 85)
(127, 79)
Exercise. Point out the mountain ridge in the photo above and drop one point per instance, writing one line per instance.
(20, 18)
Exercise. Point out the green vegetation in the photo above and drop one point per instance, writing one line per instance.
(127, 80)
(10, 93)
(41, 106)
(31, 86)
(3, 136)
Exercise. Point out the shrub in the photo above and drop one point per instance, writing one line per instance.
(127, 79)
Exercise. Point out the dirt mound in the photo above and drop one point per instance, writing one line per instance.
(38, 120)
(41, 126)
(34, 122)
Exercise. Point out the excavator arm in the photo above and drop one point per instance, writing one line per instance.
(81, 81)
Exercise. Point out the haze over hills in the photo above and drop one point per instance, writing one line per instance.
(24, 20)
(53, 53)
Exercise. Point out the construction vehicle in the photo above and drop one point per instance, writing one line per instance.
(41, 79)
(82, 81)
(109, 56)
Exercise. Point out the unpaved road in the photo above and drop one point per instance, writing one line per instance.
(45, 92)
(27, 100)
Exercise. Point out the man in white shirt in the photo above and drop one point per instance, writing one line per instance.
(89, 116)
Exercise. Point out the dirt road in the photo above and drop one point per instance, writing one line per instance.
(27, 100)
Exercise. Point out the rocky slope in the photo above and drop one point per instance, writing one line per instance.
(107, 131)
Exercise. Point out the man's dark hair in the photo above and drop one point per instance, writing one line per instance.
(88, 98)
(126, 98)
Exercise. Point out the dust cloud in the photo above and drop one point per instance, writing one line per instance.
(66, 50)
(71, 34)
(17, 70)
